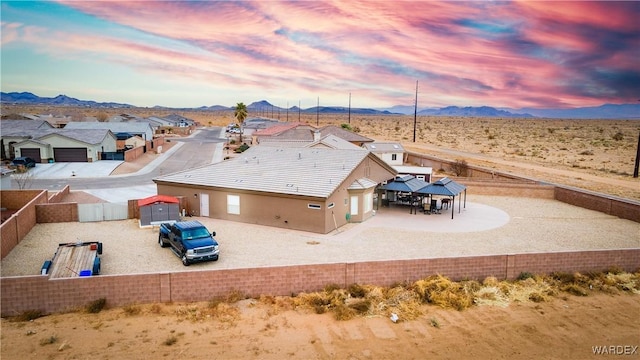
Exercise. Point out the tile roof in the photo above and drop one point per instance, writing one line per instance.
(276, 129)
(295, 171)
(22, 127)
(88, 136)
(130, 127)
(384, 147)
(344, 134)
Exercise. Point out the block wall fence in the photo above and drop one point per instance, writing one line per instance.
(19, 294)
(14, 229)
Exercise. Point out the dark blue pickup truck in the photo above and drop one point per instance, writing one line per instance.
(190, 241)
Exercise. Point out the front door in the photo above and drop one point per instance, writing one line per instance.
(204, 204)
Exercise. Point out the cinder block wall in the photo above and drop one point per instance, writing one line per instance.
(19, 294)
(9, 233)
(623, 208)
(19, 225)
(58, 196)
(57, 212)
(134, 153)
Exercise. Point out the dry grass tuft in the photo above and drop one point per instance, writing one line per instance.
(439, 290)
(27, 315)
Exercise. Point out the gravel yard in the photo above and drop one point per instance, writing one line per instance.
(489, 225)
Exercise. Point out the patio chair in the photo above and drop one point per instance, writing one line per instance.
(434, 207)
(445, 204)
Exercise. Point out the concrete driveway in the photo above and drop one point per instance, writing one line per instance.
(64, 170)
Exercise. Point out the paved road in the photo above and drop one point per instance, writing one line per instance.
(203, 147)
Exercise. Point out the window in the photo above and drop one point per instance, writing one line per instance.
(368, 202)
(233, 204)
(331, 205)
(394, 156)
(314, 206)
(354, 205)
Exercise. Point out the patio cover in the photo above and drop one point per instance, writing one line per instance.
(445, 187)
(406, 183)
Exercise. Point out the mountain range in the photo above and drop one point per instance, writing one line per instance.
(606, 111)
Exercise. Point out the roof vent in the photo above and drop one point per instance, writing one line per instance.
(299, 155)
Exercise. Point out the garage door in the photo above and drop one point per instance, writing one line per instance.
(70, 154)
(33, 153)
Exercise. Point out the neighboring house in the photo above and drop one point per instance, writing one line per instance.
(419, 172)
(251, 125)
(304, 133)
(68, 145)
(180, 121)
(15, 131)
(276, 131)
(141, 129)
(310, 189)
(134, 142)
(392, 153)
(328, 142)
(348, 135)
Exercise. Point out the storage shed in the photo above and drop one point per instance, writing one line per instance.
(158, 208)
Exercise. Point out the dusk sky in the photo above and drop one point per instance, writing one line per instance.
(543, 54)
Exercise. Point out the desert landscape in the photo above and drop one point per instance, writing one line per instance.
(566, 316)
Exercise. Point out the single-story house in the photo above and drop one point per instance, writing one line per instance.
(419, 172)
(391, 152)
(305, 133)
(65, 145)
(15, 131)
(141, 129)
(312, 189)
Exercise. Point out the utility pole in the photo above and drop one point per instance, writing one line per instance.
(287, 111)
(349, 108)
(415, 114)
(299, 110)
(318, 113)
(635, 169)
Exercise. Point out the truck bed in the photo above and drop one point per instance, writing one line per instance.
(71, 259)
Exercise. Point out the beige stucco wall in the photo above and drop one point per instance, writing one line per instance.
(45, 150)
(387, 157)
(108, 144)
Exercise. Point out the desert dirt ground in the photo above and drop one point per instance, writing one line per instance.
(568, 327)
(592, 154)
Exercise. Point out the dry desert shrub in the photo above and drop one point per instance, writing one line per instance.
(441, 291)
(96, 306)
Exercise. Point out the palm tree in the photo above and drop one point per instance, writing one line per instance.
(240, 114)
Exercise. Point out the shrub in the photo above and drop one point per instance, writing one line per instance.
(346, 127)
(343, 312)
(131, 310)
(460, 167)
(361, 306)
(96, 306)
(170, 340)
(524, 275)
(357, 291)
(241, 148)
(618, 136)
(28, 315)
(48, 341)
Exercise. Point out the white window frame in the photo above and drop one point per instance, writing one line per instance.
(368, 202)
(314, 206)
(233, 204)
